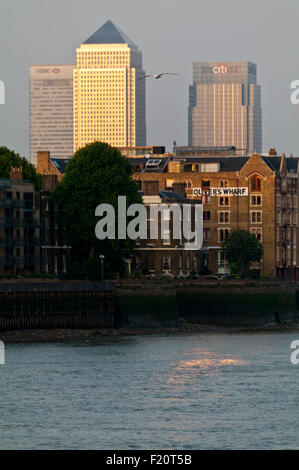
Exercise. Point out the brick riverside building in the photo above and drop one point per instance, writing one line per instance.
(165, 255)
(268, 208)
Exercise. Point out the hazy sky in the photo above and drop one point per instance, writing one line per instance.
(171, 34)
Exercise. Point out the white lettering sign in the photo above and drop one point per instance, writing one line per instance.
(220, 191)
(220, 69)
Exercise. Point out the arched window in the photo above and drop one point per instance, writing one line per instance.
(255, 183)
(223, 184)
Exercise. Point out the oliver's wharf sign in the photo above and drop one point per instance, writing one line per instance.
(220, 191)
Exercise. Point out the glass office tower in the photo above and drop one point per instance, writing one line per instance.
(51, 110)
(109, 98)
(225, 106)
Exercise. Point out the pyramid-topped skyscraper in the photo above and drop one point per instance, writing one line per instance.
(109, 34)
(109, 100)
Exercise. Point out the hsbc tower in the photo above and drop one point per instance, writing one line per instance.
(51, 110)
(225, 106)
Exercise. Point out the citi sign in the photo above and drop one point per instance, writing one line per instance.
(220, 69)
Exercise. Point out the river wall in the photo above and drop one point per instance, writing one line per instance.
(219, 303)
(145, 304)
(60, 305)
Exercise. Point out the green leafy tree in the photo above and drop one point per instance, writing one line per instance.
(9, 159)
(242, 248)
(98, 173)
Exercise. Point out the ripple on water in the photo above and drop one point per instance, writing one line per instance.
(190, 392)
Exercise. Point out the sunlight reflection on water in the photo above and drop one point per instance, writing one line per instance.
(156, 392)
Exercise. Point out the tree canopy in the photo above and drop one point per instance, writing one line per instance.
(97, 174)
(9, 158)
(242, 248)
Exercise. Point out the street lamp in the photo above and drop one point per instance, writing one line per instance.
(102, 257)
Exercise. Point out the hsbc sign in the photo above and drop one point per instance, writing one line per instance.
(47, 71)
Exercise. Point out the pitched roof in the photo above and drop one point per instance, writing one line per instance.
(60, 164)
(229, 163)
(274, 163)
(170, 195)
(226, 163)
(109, 34)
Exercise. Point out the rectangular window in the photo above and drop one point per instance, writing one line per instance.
(206, 234)
(28, 200)
(256, 217)
(224, 217)
(223, 201)
(256, 200)
(206, 199)
(258, 233)
(206, 215)
(223, 234)
(221, 259)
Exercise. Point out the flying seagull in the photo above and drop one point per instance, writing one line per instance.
(157, 75)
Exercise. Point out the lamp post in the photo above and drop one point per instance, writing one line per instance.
(102, 257)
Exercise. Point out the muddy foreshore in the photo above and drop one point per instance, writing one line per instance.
(54, 336)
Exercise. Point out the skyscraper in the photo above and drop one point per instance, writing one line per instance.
(225, 106)
(109, 100)
(51, 110)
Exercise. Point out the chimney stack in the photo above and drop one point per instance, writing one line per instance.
(150, 188)
(16, 173)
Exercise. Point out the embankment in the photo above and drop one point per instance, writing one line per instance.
(219, 303)
(145, 305)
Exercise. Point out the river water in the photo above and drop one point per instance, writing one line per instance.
(203, 391)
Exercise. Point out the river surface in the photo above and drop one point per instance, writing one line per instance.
(203, 391)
